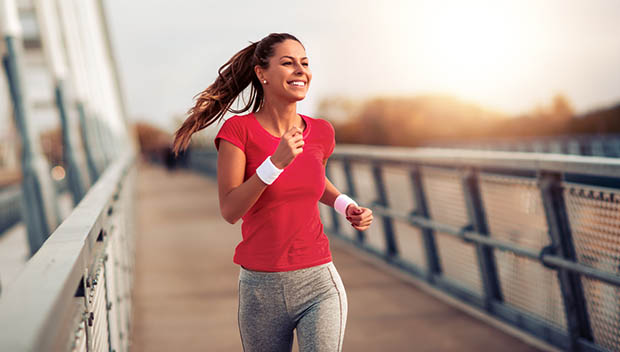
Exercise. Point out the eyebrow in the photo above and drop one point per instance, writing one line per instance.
(292, 58)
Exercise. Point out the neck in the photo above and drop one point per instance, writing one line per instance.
(279, 117)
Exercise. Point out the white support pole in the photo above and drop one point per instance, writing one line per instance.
(52, 46)
(39, 206)
(76, 53)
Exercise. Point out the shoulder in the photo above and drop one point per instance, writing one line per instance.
(237, 123)
(234, 130)
(237, 119)
(322, 124)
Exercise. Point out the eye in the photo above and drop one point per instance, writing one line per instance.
(305, 64)
(287, 63)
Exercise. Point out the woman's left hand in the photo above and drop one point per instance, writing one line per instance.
(360, 217)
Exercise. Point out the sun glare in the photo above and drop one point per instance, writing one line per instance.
(472, 49)
(471, 44)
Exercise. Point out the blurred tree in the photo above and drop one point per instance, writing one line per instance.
(409, 121)
(561, 108)
(601, 121)
(338, 109)
(414, 121)
(152, 139)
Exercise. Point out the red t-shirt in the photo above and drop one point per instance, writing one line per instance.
(282, 231)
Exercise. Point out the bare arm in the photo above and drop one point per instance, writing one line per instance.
(331, 192)
(236, 197)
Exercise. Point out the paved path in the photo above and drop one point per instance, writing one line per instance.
(185, 295)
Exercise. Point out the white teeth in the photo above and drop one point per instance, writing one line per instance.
(298, 83)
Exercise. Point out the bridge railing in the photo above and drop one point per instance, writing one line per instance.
(607, 145)
(531, 239)
(74, 294)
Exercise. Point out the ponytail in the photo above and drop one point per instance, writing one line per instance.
(233, 77)
(212, 103)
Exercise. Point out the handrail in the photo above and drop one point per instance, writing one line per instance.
(607, 145)
(48, 301)
(590, 184)
(585, 165)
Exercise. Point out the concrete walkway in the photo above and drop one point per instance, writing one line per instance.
(185, 295)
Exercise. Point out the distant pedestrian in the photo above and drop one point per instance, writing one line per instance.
(271, 173)
(170, 159)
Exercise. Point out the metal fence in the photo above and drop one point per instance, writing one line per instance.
(75, 293)
(607, 145)
(10, 207)
(532, 239)
(11, 203)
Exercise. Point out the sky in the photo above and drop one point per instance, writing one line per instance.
(508, 56)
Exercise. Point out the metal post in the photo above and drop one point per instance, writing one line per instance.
(102, 144)
(76, 182)
(87, 142)
(477, 218)
(38, 191)
(428, 236)
(577, 320)
(351, 192)
(51, 39)
(78, 67)
(388, 230)
(85, 80)
(116, 77)
(104, 101)
(93, 126)
(111, 140)
(335, 215)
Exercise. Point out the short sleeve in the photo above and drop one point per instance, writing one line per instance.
(233, 131)
(331, 141)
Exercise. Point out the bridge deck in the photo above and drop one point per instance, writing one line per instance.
(185, 295)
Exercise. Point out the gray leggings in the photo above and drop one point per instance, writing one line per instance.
(273, 304)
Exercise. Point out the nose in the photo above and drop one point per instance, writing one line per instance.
(299, 69)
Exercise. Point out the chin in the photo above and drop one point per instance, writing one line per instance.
(297, 98)
(293, 96)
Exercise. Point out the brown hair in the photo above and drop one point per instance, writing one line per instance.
(233, 78)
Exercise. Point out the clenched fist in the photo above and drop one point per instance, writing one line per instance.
(291, 145)
(360, 217)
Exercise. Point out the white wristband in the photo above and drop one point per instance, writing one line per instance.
(267, 171)
(342, 202)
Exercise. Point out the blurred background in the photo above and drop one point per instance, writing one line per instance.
(392, 72)
(408, 73)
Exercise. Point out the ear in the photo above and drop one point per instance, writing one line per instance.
(259, 72)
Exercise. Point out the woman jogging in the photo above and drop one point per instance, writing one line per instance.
(271, 173)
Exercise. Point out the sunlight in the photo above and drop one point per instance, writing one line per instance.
(473, 49)
(470, 48)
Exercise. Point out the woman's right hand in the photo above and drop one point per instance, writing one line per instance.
(291, 145)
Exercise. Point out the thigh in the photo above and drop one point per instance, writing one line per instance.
(264, 324)
(322, 326)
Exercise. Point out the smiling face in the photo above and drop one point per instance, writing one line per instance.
(288, 75)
